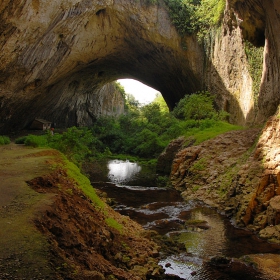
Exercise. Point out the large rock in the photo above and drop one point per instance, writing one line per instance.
(165, 159)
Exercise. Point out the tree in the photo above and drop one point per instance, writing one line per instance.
(197, 106)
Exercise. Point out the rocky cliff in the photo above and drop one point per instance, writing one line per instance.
(55, 57)
(249, 73)
(238, 173)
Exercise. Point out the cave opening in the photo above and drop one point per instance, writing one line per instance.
(143, 93)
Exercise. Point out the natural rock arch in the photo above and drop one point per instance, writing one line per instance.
(58, 59)
(68, 51)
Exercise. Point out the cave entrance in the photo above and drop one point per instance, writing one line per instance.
(141, 92)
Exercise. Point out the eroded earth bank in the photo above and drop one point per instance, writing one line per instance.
(51, 229)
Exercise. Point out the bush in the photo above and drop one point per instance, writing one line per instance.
(195, 107)
(20, 140)
(36, 141)
(4, 140)
(75, 143)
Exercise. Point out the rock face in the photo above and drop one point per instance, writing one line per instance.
(165, 159)
(259, 22)
(58, 57)
(237, 176)
(207, 171)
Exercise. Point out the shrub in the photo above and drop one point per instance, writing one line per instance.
(114, 224)
(36, 141)
(20, 140)
(4, 140)
(75, 143)
(197, 106)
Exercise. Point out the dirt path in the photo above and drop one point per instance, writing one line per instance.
(23, 250)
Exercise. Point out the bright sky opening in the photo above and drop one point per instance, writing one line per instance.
(144, 94)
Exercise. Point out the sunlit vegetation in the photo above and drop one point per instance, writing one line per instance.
(114, 224)
(143, 132)
(83, 183)
(195, 16)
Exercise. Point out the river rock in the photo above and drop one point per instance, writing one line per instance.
(219, 261)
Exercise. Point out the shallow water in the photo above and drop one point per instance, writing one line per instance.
(163, 210)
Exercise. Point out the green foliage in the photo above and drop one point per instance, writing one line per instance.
(75, 143)
(36, 140)
(161, 102)
(4, 140)
(198, 135)
(120, 88)
(195, 16)
(143, 132)
(131, 103)
(195, 107)
(183, 15)
(255, 60)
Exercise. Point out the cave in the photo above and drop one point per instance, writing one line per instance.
(57, 60)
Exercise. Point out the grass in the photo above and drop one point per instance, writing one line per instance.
(199, 165)
(114, 224)
(83, 183)
(36, 141)
(211, 132)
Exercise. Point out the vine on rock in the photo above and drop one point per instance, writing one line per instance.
(195, 16)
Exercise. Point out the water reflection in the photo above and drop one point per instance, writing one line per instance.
(121, 172)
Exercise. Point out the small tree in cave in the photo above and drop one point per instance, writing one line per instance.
(197, 106)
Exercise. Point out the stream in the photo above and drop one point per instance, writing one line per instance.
(204, 232)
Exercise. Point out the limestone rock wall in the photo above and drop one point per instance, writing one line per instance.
(228, 72)
(49, 49)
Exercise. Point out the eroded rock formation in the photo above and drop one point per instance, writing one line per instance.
(238, 172)
(57, 57)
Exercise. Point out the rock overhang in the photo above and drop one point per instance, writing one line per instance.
(56, 58)
(46, 48)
